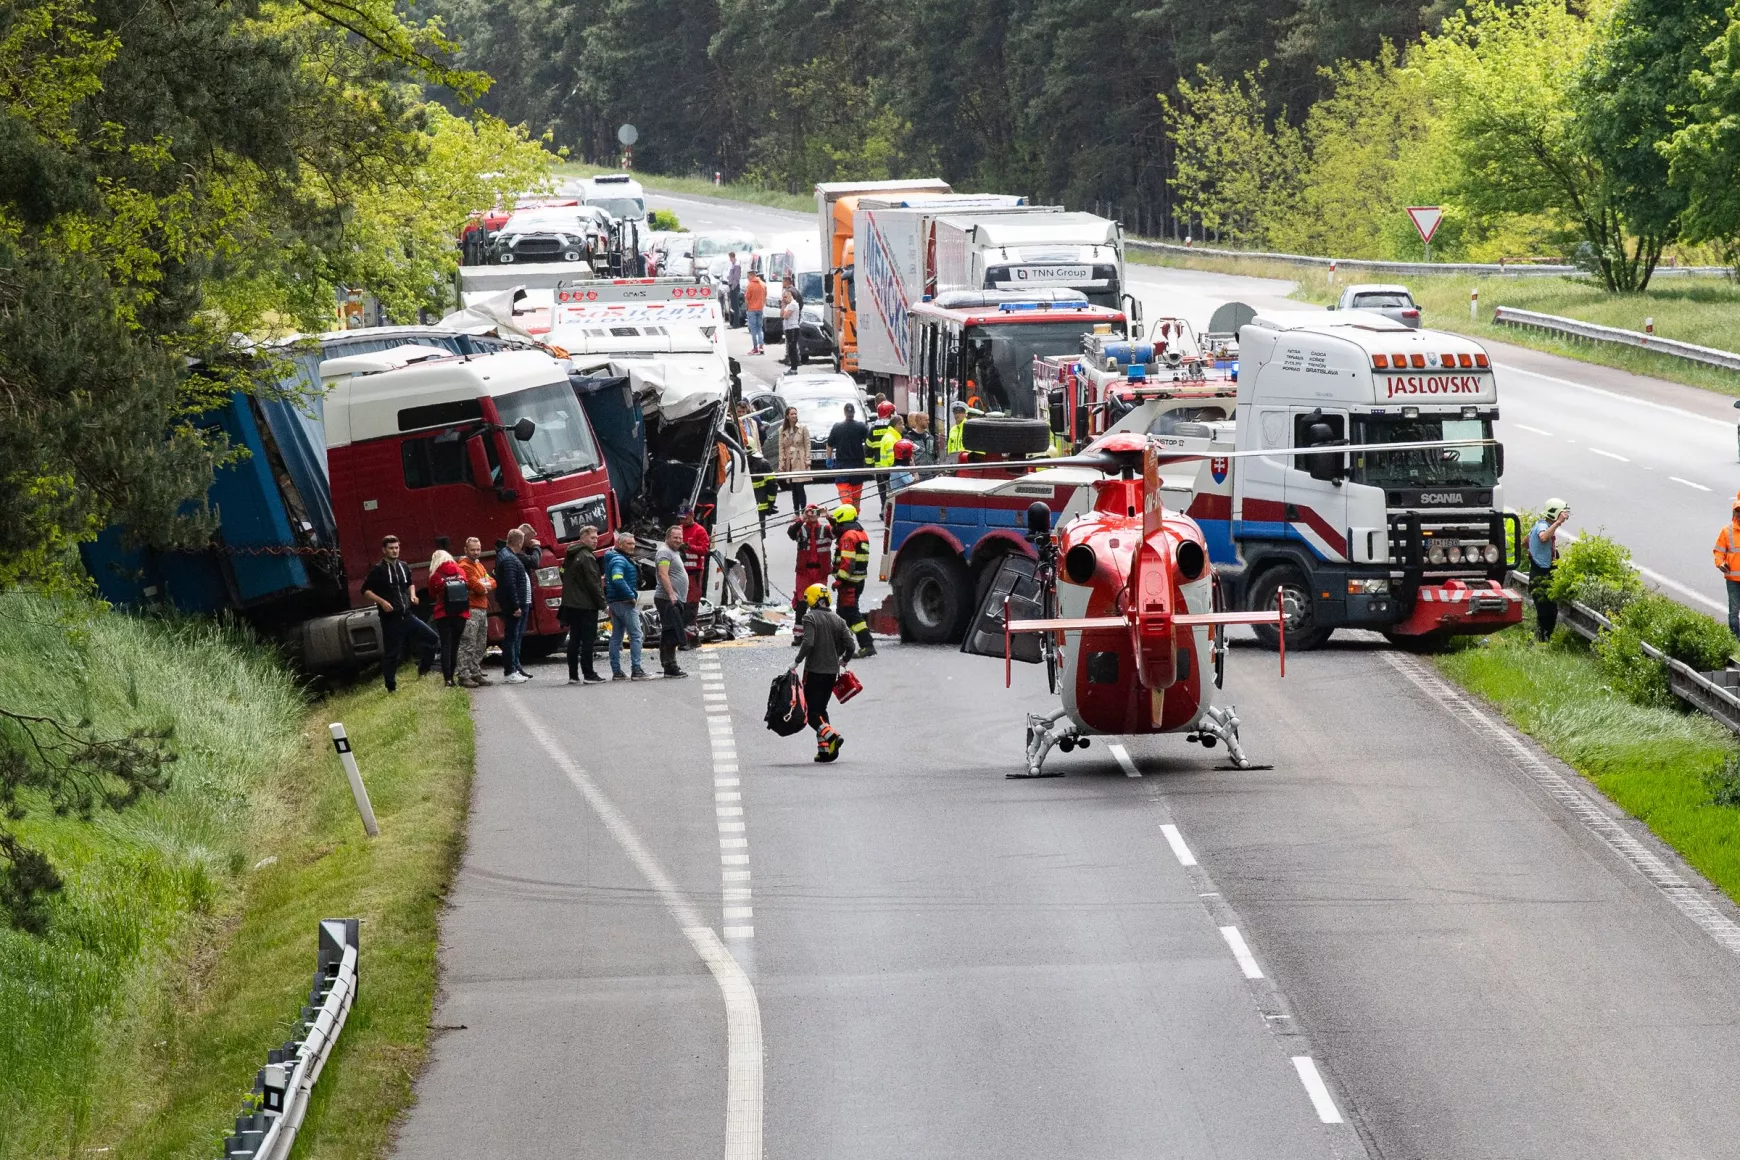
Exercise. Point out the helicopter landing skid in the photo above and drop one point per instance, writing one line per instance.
(1222, 724)
(1045, 730)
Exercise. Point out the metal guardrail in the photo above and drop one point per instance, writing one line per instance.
(1714, 694)
(281, 1088)
(1576, 328)
(1523, 270)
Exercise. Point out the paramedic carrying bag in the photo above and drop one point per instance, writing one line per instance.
(786, 711)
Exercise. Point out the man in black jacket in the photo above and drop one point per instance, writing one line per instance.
(582, 600)
(846, 449)
(513, 595)
(389, 586)
(827, 646)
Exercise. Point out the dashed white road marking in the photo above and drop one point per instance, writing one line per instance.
(735, 907)
(1321, 1100)
(1123, 756)
(1179, 849)
(1236, 943)
(1609, 454)
(743, 1041)
(1688, 483)
(1536, 430)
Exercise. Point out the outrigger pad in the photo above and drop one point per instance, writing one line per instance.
(1014, 579)
(1243, 768)
(1029, 776)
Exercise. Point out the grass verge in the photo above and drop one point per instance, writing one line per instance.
(1700, 310)
(184, 943)
(1651, 762)
(702, 187)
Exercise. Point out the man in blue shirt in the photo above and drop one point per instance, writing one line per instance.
(1543, 546)
(621, 589)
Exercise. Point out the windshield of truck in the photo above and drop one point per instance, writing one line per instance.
(620, 207)
(1445, 466)
(1000, 369)
(562, 443)
(809, 285)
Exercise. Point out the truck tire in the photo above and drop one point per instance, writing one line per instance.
(754, 582)
(1001, 436)
(933, 600)
(1289, 584)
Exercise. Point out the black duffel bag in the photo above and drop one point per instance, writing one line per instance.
(786, 711)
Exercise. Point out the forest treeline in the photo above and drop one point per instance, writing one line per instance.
(1050, 97)
(1607, 132)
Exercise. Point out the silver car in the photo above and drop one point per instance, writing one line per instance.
(1393, 302)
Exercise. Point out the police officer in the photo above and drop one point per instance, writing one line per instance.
(851, 573)
(1543, 546)
(959, 416)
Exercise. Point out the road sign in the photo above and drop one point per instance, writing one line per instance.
(628, 135)
(1426, 219)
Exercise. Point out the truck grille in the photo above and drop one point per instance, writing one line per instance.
(1413, 536)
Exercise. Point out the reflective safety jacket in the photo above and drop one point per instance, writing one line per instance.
(954, 444)
(1727, 550)
(883, 437)
(851, 553)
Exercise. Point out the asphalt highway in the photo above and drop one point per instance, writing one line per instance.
(674, 935)
(1654, 464)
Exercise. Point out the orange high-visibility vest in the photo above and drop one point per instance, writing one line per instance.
(1727, 550)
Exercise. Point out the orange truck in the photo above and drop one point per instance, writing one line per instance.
(836, 202)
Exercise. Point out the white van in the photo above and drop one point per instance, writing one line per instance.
(617, 193)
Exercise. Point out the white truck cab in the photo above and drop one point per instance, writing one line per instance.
(665, 338)
(1411, 543)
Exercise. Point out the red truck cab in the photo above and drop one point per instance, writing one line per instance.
(458, 447)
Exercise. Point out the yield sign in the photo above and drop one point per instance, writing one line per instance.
(1426, 219)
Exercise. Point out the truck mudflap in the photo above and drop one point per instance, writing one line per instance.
(1457, 606)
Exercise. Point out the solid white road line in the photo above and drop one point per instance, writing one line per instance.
(1688, 483)
(1236, 943)
(1536, 430)
(1688, 898)
(743, 1044)
(1179, 849)
(1609, 454)
(1316, 1089)
(1683, 590)
(1123, 756)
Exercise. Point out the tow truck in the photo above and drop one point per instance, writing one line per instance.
(1411, 544)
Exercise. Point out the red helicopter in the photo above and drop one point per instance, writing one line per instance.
(1132, 629)
(1131, 626)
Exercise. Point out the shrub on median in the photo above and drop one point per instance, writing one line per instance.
(1596, 571)
(1687, 636)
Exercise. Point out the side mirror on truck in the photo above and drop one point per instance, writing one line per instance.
(524, 430)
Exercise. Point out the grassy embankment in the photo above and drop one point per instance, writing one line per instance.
(184, 942)
(700, 186)
(1651, 762)
(1692, 309)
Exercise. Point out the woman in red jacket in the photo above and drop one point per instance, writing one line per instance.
(815, 552)
(452, 607)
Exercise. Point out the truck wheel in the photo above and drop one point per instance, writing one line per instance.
(754, 583)
(1287, 583)
(1001, 436)
(932, 600)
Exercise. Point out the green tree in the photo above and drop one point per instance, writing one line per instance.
(1704, 155)
(1231, 169)
(1506, 79)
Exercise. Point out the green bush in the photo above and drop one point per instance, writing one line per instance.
(662, 219)
(1687, 636)
(1724, 783)
(1599, 560)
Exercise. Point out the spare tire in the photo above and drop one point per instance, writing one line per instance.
(1006, 436)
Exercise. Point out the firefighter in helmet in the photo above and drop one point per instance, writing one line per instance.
(851, 573)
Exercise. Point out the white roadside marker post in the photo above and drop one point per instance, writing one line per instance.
(341, 742)
(1474, 305)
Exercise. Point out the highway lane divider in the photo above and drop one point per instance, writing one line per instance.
(267, 1130)
(1592, 332)
(737, 910)
(1376, 266)
(1271, 1002)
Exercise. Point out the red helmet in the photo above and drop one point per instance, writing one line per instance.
(884, 410)
(903, 451)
